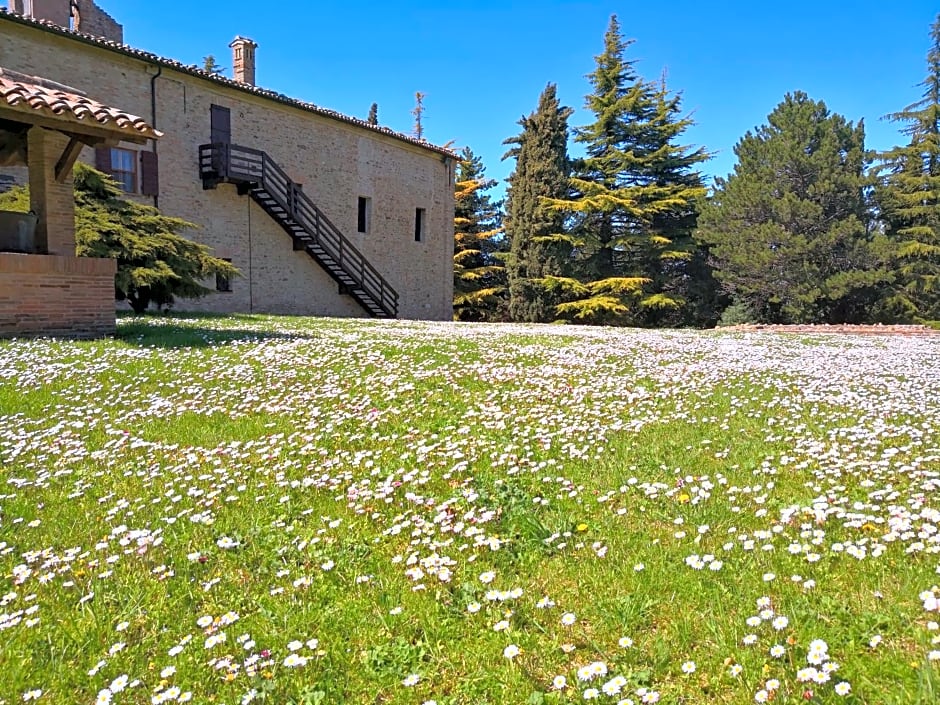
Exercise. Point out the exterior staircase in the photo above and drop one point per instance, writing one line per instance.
(257, 175)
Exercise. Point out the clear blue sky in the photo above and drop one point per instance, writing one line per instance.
(482, 64)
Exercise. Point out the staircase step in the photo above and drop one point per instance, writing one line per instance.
(304, 239)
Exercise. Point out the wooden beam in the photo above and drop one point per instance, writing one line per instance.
(12, 149)
(64, 166)
(70, 127)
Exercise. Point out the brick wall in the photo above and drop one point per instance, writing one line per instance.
(335, 161)
(51, 295)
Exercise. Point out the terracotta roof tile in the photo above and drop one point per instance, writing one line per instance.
(216, 78)
(26, 93)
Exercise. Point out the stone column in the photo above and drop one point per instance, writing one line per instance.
(52, 202)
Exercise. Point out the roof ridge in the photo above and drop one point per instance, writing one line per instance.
(194, 70)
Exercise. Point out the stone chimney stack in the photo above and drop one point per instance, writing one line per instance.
(243, 60)
(81, 15)
(56, 11)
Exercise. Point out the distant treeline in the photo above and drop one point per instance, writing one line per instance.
(811, 227)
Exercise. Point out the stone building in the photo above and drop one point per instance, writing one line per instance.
(324, 214)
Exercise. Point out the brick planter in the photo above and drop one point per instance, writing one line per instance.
(53, 295)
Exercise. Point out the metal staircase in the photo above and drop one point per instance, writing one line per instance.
(256, 174)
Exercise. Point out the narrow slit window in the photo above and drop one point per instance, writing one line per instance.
(222, 282)
(420, 217)
(364, 214)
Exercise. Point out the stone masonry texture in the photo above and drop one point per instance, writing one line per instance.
(335, 161)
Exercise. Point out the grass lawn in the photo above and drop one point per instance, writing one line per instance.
(304, 511)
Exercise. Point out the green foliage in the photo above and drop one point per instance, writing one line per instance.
(788, 228)
(908, 197)
(634, 197)
(737, 314)
(373, 118)
(155, 263)
(211, 65)
(540, 245)
(479, 274)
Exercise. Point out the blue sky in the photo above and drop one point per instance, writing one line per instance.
(483, 64)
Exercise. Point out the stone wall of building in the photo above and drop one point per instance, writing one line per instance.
(336, 162)
(52, 295)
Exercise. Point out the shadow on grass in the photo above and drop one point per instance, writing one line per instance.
(183, 330)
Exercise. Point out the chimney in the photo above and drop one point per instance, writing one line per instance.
(56, 11)
(243, 60)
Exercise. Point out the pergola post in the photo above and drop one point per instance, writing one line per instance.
(51, 200)
(51, 291)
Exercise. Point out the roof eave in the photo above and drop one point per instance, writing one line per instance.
(155, 59)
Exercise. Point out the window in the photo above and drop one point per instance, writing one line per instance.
(420, 214)
(124, 169)
(364, 214)
(135, 172)
(222, 282)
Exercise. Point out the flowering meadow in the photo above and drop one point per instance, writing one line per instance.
(301, 511)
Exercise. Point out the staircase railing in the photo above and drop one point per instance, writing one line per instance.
(255, 168)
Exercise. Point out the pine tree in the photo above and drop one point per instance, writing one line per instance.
(908, 197)
(155, 263)
(479, 274)
(788, 229)
(635, 197)
(211, 65)
(540, 249)
(418, 112)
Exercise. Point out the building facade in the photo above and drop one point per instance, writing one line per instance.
(323, 214)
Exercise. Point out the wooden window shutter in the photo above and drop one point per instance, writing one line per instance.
(103, 159)
(220, 124)
(149, 174)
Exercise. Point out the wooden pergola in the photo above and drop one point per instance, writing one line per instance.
(45, 126)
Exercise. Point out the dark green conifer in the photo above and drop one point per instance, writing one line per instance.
(634, 198)
(479, 273)
(908, 197)
(540, 249)
(789, 227)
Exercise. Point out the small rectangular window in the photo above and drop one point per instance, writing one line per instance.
(419, 224)
(222, 282)
(364, 214)
(124, 169)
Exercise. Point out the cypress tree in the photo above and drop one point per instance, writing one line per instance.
(789, 227)
(635, 196)
(539, 247)
(479, 274)
(908, 197)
